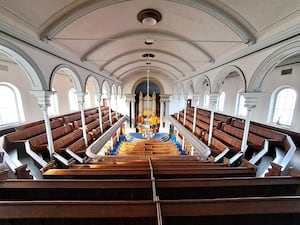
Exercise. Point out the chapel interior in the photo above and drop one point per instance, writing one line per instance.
(151, 112)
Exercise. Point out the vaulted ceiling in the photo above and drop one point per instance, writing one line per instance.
(191, 35)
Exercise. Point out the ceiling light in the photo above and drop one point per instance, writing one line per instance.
(148, 55)
(149, 17)
(149, 41)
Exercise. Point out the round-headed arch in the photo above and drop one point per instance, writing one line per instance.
(72, 73)
(214, 8)
(31, 69)
(215, 88)
(265, 68)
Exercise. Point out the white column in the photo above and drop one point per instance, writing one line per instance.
(213, 98)
(80, 97)
(128, 112)
(116, 102)
(185, 108)
(133, 113)
(167, 125)
(161, 114)
(100, 112)
(109, 109)
(183, 142)
(192, 151)
(195, 112)
(178, 106)
(251, 100)
(43, 100)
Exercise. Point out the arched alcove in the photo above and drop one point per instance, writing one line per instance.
(92, 86)
(66, 82)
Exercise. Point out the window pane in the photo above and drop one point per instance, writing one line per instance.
(221, 101)
(73, 100)
(8, 107)
(242, 109)
(284, 106)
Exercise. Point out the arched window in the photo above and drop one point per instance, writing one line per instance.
(11, 108)
(206, 100)
(241, 110)
(284, 104)
(221, 101)
(87, 99)
(53, 109)
(73, 101)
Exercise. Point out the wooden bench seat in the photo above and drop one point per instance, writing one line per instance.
(67, 140)
(94, 190)
(204, 173)
(228, 139)
(204, 188)
(78, 146)
(245, 210)
(96, 173)
(17, 139)
(255, 140)
(61, 211)
(78, 123)
(39, 143)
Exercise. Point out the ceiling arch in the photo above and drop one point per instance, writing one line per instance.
(148, 51)
(144, 68)
(116, 37)
(227, 17)
(152, 60)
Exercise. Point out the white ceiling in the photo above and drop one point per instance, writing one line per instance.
(192, 34)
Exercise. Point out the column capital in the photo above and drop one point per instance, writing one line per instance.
(251, 99)
(129, 97)
(213, 97)
(98, 95)
(43, 97)
(80, 97)
(164, 97)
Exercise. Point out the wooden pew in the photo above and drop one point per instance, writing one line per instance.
(245, 210)
(205, 188)
(77, 212)
(204, 172)
(39, 143)
(18, 138)
(96, 174)
(125, 189)
(255, 141)
(67, 140)
(228, 139)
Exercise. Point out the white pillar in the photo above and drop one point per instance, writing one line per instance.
(251, 100)
(116, 102)
(133, 113)
(213, 98)
(43, 100)
(167, 125)
(128, 112)
(195, 112)
(100, 111)
(80, 97)
(185, 108)
(192, 151)
(178, 106)
(161, 114)
(109, 109)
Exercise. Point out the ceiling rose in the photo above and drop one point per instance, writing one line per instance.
(149, 17)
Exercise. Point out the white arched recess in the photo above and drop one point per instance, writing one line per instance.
(200, 91)
(221, 76)
(93, 79)
(30, 68)
(73, 74)
(265, 68)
